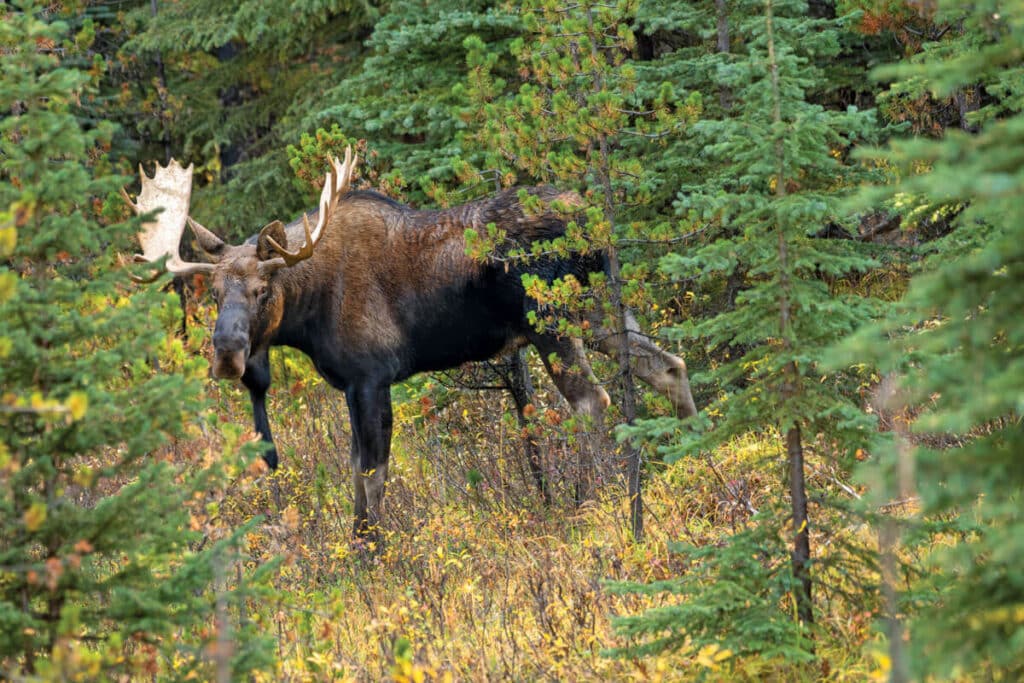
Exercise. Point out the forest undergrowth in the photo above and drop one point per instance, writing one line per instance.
(473, 576)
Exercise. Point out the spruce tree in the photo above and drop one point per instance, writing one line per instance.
(403, 97)
(577, 120)
(954, 348)
(99, 576)
(777, 171)
(239, 77)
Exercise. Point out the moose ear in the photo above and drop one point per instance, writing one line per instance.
(272, 231)
(208, 242)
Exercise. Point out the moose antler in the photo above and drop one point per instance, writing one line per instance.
(170, 188)
(337, 183)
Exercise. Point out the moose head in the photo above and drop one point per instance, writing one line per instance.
(241, 277)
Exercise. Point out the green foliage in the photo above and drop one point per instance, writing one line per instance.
(736, 595)
(575, 114)
(98, 567)
(574, 121)
(238, 82)
(955, 342)
(773, 184)
(405, 98)
(777, 171)
(211, 25)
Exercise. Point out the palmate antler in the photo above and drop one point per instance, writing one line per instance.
(337, 184)
(170, 188)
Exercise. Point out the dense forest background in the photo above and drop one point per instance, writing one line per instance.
(817, 204)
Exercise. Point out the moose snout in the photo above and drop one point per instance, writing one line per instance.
(231, 334)
(230, 344)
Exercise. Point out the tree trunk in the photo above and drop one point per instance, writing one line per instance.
(801, 539)
(722, 12)
(888, 543)
(791, 373)
(634, 464)
(968, 101)
(165, 135)
(30, 652)
(602, 169)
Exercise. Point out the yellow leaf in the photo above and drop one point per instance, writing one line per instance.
(84, 476)
(8, 282)
(711, 655)
(35, 516)
(77, 404)
(8, 237)
(290, 517)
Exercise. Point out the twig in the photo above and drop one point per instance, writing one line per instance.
(735, 496)
(835, 480)
(670, 240)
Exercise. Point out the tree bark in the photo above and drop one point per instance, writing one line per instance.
(165, 136)
(888, 543)
(634, 464)
(801, 538)
(968, 100)
(722, 12)
(30, 652)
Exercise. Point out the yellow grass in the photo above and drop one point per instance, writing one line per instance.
(475, 579)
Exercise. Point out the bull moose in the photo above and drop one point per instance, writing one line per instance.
(376, 292)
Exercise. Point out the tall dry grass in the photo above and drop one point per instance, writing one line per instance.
(474, 578)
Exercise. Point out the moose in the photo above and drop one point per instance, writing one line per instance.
(376, 292)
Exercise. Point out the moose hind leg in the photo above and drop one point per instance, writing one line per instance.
(376, 475)
(575, 380)
(521, 389)
(663, 371)
(370, 416)
(358, 490)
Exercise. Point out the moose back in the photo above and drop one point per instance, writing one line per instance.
(376, 292)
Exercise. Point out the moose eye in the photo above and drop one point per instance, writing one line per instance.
(261, 291)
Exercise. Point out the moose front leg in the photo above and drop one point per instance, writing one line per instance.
(576, 382)
(369, 408)
(257, 380)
